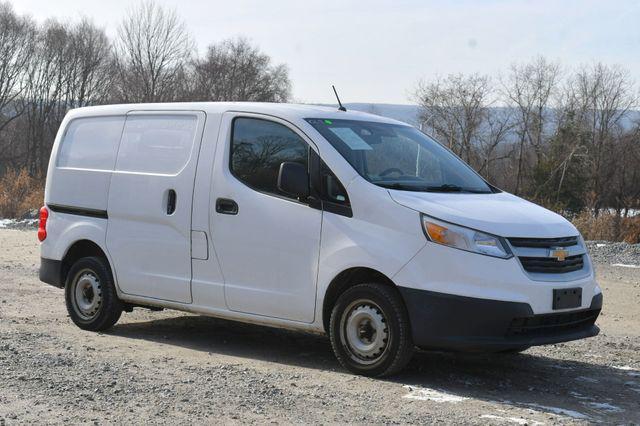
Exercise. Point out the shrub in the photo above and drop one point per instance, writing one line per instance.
(608, 227)
(19, 193)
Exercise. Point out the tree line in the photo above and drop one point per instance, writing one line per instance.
(568, 139)
(47, 69)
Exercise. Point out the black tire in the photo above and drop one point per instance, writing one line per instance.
(90, 295)
(384, 304)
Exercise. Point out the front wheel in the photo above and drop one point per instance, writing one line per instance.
(370, 332)
(90, 295)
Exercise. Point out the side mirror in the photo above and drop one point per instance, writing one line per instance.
(293, 179)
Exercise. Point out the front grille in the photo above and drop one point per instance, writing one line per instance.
(550, 324)
(544, 242)
(551, 265)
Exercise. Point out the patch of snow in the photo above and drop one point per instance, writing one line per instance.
(560, 411)
(427, 394)
(18, 223)
(605, 407)
(601, 245)
(515, 420)
(625, 265)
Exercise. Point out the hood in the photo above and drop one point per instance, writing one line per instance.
(500, 214)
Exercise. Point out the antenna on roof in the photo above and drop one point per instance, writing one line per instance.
(340, 108)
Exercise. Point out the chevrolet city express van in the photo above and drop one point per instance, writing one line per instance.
(305, 218)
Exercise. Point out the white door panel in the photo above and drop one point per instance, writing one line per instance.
(269, 250)
(269, 254)
(149, 243)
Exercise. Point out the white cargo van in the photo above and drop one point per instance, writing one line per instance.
(306, 218)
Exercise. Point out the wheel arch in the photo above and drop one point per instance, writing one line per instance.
(345, 280)
(79, 249)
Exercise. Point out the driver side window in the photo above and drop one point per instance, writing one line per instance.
(258, 147)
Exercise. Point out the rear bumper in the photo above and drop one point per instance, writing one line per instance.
(51, 272)
(443, 321)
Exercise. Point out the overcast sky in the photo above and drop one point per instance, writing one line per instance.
(376, 51)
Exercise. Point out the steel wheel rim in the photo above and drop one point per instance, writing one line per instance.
(365, 332)
(87, 294)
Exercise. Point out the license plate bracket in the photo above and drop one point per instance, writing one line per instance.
(566, 298)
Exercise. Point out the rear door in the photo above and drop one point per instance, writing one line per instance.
(150, 202)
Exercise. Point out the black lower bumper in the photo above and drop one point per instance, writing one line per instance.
(51, 272)
(444, 321)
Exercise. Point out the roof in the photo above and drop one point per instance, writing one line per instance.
(295, 111)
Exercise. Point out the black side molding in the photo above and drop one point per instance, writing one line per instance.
(51, 272)
(80, 211)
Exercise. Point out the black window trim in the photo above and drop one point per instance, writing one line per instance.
(230, 162)
(316, 200)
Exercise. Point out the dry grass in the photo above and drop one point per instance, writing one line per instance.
(609, 227)
(19, 193)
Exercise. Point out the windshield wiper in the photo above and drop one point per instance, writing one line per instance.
(393, 185)
(447, 187)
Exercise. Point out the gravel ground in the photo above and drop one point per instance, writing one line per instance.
(172, 367)
(614, 253)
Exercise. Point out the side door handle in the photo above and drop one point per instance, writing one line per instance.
(171, 201)
(226, 206)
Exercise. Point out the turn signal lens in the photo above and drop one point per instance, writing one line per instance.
(436, 232)
(463, 238)
(42, 227)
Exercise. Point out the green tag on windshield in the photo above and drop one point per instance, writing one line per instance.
(327, 122)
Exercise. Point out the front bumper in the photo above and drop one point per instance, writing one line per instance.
(449, 322)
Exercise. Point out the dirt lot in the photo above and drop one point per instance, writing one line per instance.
(171, 367)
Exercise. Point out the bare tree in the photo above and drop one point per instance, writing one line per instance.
(494, 135)
(234, 70)
(43, 94)
(152, 49)
(529, 90)
(89, 65)
(599, 97)
(455, 108)
(17, 35)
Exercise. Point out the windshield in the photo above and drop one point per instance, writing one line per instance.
(399, 157)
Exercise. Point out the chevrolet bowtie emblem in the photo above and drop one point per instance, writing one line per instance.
(559, 254)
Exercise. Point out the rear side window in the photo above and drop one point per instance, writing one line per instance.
(91, 143)
(258, 147)
(159, 144)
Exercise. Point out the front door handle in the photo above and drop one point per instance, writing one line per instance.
(226, 206)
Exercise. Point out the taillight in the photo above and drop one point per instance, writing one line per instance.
(42, 228)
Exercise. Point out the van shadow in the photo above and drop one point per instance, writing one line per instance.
(529, 380)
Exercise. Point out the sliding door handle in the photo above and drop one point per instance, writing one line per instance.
(226, 206)
(171, 201)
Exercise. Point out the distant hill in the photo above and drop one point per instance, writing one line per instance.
(410, 113)
(406, 113)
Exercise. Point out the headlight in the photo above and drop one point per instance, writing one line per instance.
(464, 238)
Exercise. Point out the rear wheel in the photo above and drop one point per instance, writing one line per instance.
(370, 332)
(90, 295)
